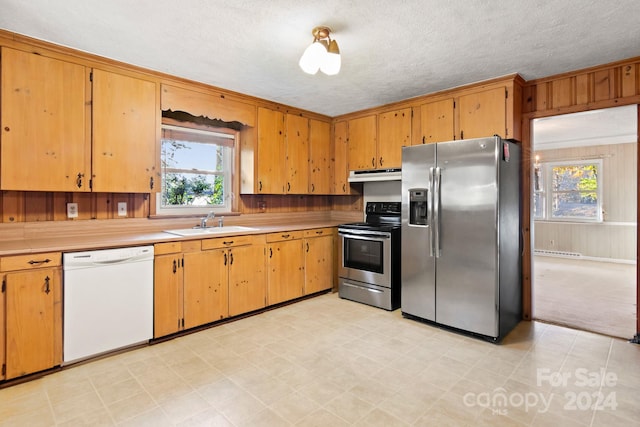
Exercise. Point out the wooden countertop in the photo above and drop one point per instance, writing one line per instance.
(103, 234)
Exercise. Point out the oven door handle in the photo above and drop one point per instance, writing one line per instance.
(366, 236)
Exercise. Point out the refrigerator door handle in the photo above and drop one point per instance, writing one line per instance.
(430, 213)
(436, 211)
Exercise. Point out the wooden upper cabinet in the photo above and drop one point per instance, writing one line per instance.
(125, 133)
(394, 133)
(362, 143)
(271, 152)
(213, 105)
(437, 121)
(340, 158)
(297, 158)
(320, 166)
(483, 114)
(45, 146)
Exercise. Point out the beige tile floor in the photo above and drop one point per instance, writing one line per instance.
(332, 362)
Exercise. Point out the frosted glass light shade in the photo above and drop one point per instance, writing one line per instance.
(313, 57)
(331, 62)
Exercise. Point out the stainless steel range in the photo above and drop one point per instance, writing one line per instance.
(369, 266)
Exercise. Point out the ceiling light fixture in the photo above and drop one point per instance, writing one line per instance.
(323, 54)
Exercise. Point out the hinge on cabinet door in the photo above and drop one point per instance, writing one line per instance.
(4, 369)
(91, 184)
(454, 104)
(506, 93)
(183, 322)
(91, 76)
(4, 285)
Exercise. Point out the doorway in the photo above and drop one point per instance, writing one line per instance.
(584, 210)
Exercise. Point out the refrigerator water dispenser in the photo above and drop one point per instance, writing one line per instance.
(418, 206)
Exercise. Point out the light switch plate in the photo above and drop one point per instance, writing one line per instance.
(72, 210)
(122, 208)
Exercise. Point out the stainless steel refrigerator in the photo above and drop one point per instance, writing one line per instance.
(461, 246)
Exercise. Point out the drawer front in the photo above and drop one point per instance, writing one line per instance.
(318, 232)
(284, 235)
(232, 241)
(31, 261)
(167, 248)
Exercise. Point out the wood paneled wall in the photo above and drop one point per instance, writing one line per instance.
(599, 87)
(32, 206)
(604, 86)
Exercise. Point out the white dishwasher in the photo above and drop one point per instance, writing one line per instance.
(108, 300)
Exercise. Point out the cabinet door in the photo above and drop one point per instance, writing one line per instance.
(167, 294)
(44, 143)
(31, 321)
(437, 121)
(483, 114)
(394, 133)
(362, 143)
(271, 152)
(247, 280)
(285, 271)
(205, 287)
(319, 157)
(318, 265)
(297, 159)
(125, 133)
(340, 158)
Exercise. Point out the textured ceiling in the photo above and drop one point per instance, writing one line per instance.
(391, 50)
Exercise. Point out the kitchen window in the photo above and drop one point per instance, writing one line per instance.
(196, 168)
(568, 191)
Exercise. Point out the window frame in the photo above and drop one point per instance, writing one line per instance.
(547, 193)
(230, 206)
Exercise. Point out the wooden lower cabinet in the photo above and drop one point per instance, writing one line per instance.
(33, 314)
(189, 287)
(202, 281)
(205, 288)
(167, 294)
(318, 260)
(285, 267)
(247, 280)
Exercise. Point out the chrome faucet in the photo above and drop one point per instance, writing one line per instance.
(203, 221)
(221, 221)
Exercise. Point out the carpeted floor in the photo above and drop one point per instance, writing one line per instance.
(588, 295)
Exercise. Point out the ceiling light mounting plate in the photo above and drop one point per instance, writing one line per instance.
(321, 32)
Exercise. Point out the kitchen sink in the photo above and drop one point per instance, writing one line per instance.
(199, 231)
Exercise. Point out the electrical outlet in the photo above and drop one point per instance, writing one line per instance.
(122, 208)
(72, 210)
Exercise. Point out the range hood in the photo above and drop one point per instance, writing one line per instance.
(375, 175)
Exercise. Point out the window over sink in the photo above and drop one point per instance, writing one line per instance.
(197, 170)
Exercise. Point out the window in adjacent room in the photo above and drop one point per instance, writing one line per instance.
(197, 170)
(568, 191)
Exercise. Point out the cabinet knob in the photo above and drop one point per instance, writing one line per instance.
(373, 162)
(151, 183)
(381, 161)
(47, 287)
(79, 179)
